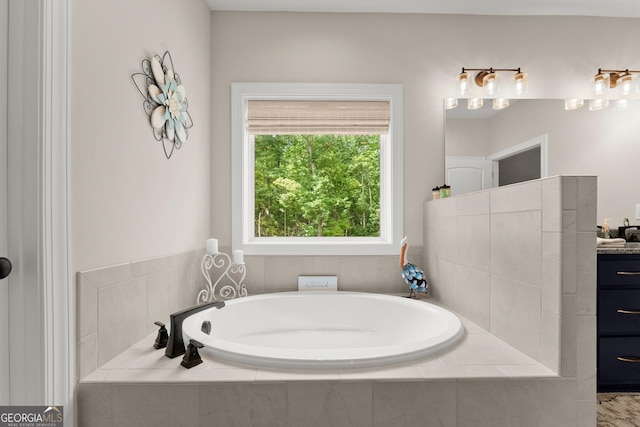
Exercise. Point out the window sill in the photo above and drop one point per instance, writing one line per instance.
(319, 246)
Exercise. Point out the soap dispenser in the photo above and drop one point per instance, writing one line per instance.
(606, 234)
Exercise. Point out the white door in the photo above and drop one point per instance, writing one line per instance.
(467, 174)
(4, 285)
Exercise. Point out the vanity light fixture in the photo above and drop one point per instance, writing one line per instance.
(621, 104)
(450, 103)
(573, 104)
(488, 79)
(605, 80)
(598, 104)
(520, 83)
(601, 84)
(464, 84)
(474, 103)
(627, 84)
(500, 103)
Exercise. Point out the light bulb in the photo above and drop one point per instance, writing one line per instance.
(601, 84)
(628, 85)
(598, 104)
(490, 84)
(500, 103)
(474, 103)
(621, 105)
(450, 103)
(521, 84)
(573, 104)
(464, 85)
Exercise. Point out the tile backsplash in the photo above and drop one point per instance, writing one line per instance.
(374, 273)
(117, 305)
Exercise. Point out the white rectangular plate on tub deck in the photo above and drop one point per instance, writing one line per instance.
(317, 283)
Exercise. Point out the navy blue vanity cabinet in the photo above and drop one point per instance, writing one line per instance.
(618, 322)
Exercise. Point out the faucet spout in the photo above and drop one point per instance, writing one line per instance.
(175, 345)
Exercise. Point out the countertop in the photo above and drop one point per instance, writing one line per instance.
(629, 248)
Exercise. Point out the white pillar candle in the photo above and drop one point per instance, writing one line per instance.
(212, 246)
(238, 257)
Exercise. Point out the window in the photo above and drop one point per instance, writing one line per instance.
(278, 155)
(308, 185)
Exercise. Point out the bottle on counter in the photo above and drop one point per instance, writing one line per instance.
(606, 233)
(436, 193)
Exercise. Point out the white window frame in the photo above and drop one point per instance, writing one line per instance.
(242, 157)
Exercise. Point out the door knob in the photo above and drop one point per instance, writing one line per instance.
(5, 267)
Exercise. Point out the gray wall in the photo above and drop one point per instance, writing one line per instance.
(128, 202)
(424, 53)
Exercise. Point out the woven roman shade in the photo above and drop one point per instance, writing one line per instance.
(283, 117)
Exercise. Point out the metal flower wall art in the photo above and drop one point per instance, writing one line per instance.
(165, 101)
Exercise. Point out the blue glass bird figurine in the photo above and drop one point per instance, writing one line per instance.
(412, 274)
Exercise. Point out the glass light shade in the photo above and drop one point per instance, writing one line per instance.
(521, 84)
(621, 104)
(598, 104)
(490, 84)
(628, 85)
(464, 85)
(450, 103)
(474, 103)
(573, 104)
(500, 103)
(601, 84)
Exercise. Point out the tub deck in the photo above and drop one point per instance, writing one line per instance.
(478, 355)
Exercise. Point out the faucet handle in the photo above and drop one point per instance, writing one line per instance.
(163, 336)
(206, 327)
(196, 343)
(191, 356)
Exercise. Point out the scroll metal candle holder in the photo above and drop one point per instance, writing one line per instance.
(230, 272)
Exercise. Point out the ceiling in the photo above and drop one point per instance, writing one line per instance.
(611, 8)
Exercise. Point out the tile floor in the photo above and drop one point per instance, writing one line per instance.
(618, 410)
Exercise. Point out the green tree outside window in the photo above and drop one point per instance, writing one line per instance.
(317, 185)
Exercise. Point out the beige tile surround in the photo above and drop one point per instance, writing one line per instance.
(224, 394)
(117, 305)
(520, 261)
(447, 403)
(450, 390)
(478, 354)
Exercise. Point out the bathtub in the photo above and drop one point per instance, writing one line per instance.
(314, 330)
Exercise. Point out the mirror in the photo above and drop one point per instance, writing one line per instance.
(483, 150)
(605, 143)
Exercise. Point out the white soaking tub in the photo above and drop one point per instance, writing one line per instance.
(313, 330)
